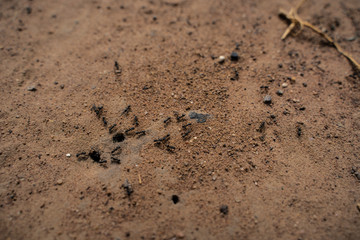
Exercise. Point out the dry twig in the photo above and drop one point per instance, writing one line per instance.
(297, 25)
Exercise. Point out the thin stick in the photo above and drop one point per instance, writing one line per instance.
(295, 20)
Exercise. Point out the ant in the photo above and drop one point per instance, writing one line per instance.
(140, 133)
(112, 128)
(127, 110)
(136, 121)
(117, 68)
(129, 130)
(166, 121)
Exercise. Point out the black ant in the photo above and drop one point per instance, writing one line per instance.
(166, 121)
(136, 121)
(129, 130)
(163, 139)
(140, 133)
(127, 110)
(115, 160)
(111, 129)
(117, 68)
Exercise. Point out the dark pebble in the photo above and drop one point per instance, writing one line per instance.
(267, 99)
(62, 86)
(95, 155)
(234, 56)
(32, 89)
(357, 175)
(280, 92)
(224, 209)
(201, 118)
(305, 84)
(175, 199)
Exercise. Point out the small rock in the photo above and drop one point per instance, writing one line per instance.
(59, 182)
(180, 235)
(305, 84)
(62, 86)
(224, 209)
(284, 85)
(201, 118)
(32, 89)
(357, 175)
(358, 207)
(267, 99)
(234, 56)
(221, 59)
(279, 92)
(68, 155)
(128, 188)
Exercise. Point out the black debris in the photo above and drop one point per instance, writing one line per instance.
(305, 84)
(82, 156)
(267, 99)
(201, 118)
(118, 137)
(111, 128)
(186, 126)
(98, 110)
(302, 108)
(128, 188)
(234, 56)
(224, 209)
(28, 10)
(175, 199)
(127, 110)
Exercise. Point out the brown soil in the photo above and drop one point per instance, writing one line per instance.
(243, 170)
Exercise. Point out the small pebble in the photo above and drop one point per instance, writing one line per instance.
(68, 155)
(224, 209)
(279, 92)
(32, 89)
(305, 84)
(267, 99)
(62, 86)
(59, 182)
(221, 59)
(284, 85)
(234, 56)
(357, 175)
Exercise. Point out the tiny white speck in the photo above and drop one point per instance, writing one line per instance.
(68, 155)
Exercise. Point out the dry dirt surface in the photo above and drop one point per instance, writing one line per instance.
(118, 120)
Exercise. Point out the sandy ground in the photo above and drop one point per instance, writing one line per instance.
(195, 152)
